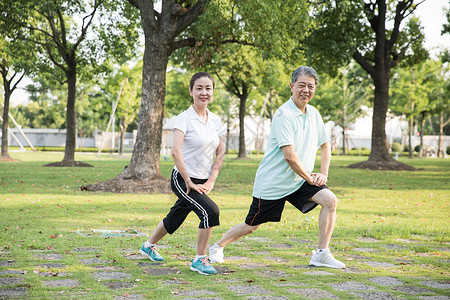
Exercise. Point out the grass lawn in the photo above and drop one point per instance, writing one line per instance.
(389, 224)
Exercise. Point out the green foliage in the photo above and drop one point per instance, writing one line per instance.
(396, 147)
(412, 85)
(339, 99)
(87, 32)
(47, 107)
(426, 87)
(177, 97)
(126, 81)
(341, 28)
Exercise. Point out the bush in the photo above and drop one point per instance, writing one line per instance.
(448, 150)
(396, 147)
(417, 148)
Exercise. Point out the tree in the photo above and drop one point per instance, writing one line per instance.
(11, 77)
(359, 30)
(238, 71)
(339, 99)
(15, 61)
(71, 44)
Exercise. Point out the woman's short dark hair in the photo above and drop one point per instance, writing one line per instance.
(198, 76)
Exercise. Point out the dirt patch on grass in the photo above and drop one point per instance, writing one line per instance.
(115, 185)
(391, 165)
(70, 163)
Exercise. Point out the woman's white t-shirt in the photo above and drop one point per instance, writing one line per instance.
(200, 141)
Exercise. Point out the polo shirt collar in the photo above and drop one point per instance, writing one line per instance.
(193, 114)
(296, 110)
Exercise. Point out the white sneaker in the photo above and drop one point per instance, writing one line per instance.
(325, 259)
(216, 255)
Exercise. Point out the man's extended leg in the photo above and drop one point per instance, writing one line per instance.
(327, 218)
(233, 234)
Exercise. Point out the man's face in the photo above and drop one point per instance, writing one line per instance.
(303, 89)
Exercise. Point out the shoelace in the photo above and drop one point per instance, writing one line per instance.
(205, 261)
(153, 249)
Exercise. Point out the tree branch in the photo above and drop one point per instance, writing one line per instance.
(134, 3)
(230, 89)
(18, 80)
(400, 10)
(84, 26)
(186, 16)
(192, 42)
(237, 93)
(147, 12)
(63, 28)
(52, 58)
(362, 61)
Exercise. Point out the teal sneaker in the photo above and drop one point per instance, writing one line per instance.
(203, 267)
(151, 253)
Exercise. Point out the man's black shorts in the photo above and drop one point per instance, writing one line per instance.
(262, 211)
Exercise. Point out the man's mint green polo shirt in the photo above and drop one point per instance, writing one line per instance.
(306, 131)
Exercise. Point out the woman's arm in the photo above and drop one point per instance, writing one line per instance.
(220, 155)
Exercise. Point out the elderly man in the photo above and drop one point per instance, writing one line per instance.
(284, 173)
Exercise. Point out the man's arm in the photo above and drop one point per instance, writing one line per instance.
(325, 159)
(296, 165)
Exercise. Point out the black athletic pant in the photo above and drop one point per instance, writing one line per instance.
(206, 210)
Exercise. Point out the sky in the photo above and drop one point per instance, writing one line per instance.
(430, 12)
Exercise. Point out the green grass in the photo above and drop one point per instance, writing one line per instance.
(402, 216)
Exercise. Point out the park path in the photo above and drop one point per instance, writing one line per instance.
(51, 274)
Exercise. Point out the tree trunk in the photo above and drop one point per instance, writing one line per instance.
(379, 151)
(122, 135)
(4, 152)
(410, 134)
(227, 142)
(69, 152)
(143, 174)
(71, 124)
(242, 103)
(441, 149)
(144, 163)
(344, 138)
(8, 87)
(422, 124)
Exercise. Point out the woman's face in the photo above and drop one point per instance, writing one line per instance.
(202, 91)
